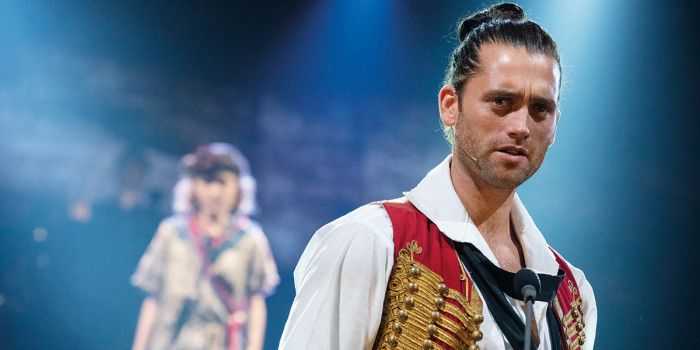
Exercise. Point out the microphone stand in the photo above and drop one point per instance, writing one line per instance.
(528, 319)
(528, 283)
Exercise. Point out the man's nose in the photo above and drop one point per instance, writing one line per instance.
(517, 124)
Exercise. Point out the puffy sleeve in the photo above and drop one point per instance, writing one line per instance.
(340, 282)
(151, 267)
(590, 310)
(263, 276)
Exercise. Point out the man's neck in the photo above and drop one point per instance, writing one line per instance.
(488, 207)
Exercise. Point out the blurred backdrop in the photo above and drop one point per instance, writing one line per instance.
(335, 104)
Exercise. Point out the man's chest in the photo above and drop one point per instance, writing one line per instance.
(509, 256)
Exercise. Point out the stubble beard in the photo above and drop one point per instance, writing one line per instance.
(485, 169)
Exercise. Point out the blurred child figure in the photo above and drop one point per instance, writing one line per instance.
(208, 269)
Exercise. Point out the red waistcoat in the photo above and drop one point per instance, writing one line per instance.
(430, 299)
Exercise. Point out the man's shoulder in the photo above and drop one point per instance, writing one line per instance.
(561, 260)
(369, 222)
(372, 216)
(360, 233)
(573, 271)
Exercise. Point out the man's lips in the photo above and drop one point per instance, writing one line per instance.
(513, 150)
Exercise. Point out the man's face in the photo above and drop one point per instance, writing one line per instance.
(217, 195)
(507, 115)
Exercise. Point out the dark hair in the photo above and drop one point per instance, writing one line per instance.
(205, 163)
(499, 24)
(208, 161)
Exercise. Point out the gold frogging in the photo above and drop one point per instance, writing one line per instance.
(573, 320)
(416, 308)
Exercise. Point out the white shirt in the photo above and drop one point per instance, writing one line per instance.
(342, 275)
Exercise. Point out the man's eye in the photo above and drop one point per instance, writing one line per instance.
(499, 101)
(541, 109)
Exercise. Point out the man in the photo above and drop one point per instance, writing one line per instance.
(435, 269)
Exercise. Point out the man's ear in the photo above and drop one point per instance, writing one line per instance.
(449, 105)
(556, 125)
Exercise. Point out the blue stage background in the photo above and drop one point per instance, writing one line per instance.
(335, 104)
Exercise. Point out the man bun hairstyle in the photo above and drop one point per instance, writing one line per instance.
(499, 24)
(504, 11)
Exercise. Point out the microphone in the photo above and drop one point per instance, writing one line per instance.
(527, 283)
(467, 153)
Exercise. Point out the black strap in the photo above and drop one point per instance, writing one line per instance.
(494, 283)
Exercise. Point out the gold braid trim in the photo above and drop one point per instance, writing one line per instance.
(573, 320)
(473, 308)
(452, 326)
(416, 308)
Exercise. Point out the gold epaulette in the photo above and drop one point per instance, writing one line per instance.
(417, 306)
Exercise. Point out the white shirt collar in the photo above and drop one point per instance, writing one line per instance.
(436, 197)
